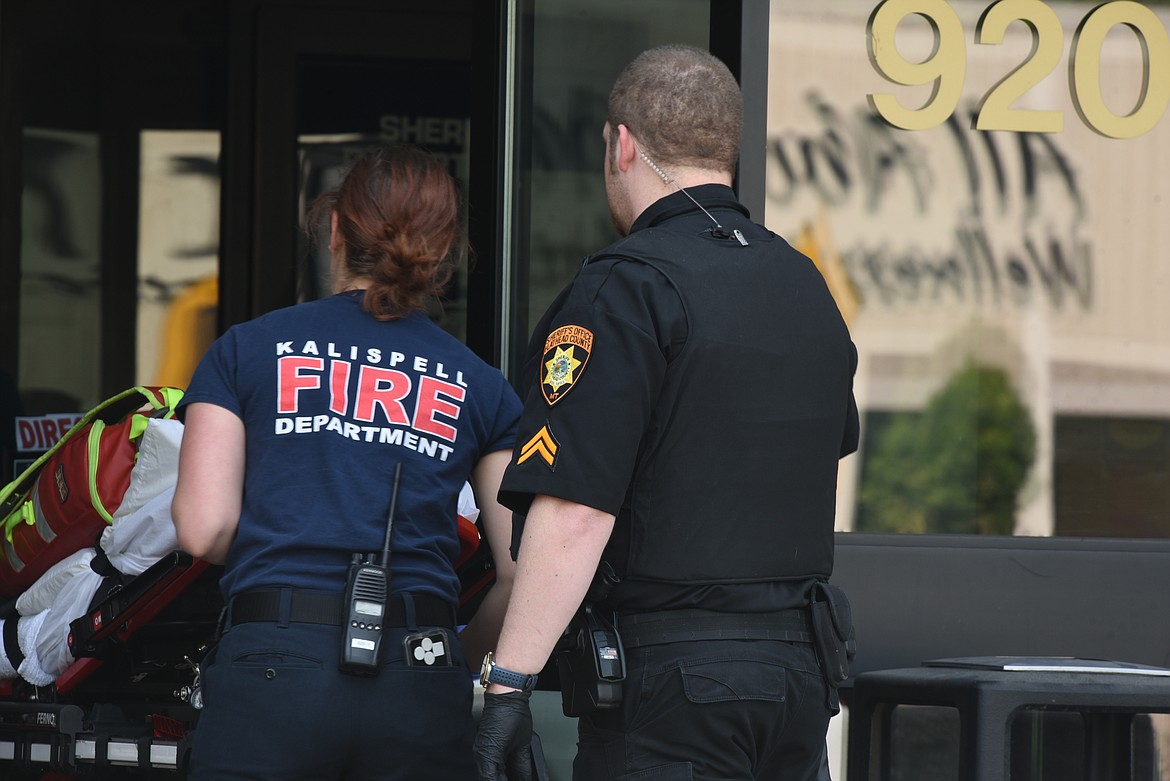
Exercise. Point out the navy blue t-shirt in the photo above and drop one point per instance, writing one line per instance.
(332, 400)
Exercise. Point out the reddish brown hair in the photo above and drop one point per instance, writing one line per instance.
(398, 221)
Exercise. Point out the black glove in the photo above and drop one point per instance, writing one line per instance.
(503, 741)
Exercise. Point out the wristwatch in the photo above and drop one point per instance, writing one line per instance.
(493, 673)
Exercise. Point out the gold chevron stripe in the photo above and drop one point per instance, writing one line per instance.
(542, 444)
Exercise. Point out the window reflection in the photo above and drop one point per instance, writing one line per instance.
(560, 214)
(1025, 265)
(178, 250)
(60, 256)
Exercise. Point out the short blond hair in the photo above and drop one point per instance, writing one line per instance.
(683, 104)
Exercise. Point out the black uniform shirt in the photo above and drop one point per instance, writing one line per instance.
(596, 376)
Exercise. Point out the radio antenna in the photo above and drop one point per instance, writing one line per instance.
(390, 516)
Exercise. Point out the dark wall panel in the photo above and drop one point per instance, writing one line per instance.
(925, 597)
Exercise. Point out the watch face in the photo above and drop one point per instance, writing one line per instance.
(486, 668)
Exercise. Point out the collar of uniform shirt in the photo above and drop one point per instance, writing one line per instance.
(712, 196)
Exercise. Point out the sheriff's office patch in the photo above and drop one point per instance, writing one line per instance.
(566, 351)
(543, 446)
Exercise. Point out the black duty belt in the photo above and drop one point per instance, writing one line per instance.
(673, 626)
(314, 607)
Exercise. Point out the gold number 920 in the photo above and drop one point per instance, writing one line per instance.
(945, 68)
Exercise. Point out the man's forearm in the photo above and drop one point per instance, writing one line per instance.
(559, 551)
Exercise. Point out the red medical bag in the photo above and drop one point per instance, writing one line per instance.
(63, 501)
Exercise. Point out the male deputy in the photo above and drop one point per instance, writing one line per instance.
(691, 396)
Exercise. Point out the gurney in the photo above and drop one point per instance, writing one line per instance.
(99, 652)
(99, 664)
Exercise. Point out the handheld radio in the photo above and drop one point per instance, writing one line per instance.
(591, 663)
(366, 590)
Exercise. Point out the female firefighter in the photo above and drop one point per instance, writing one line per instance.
(296, 425)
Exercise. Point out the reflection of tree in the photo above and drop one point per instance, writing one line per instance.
(958, 467)
(57, 232)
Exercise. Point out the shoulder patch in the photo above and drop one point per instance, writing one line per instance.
(566, 352)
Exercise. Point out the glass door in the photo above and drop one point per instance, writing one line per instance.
(565, 55)
(109, 204)
(330, 83)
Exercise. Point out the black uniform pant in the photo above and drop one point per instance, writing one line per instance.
(712, 710)
(277, 708)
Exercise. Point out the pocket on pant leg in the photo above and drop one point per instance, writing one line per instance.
(675, 771)
(731, 679)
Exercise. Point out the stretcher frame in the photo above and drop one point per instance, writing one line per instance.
(63, 731)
